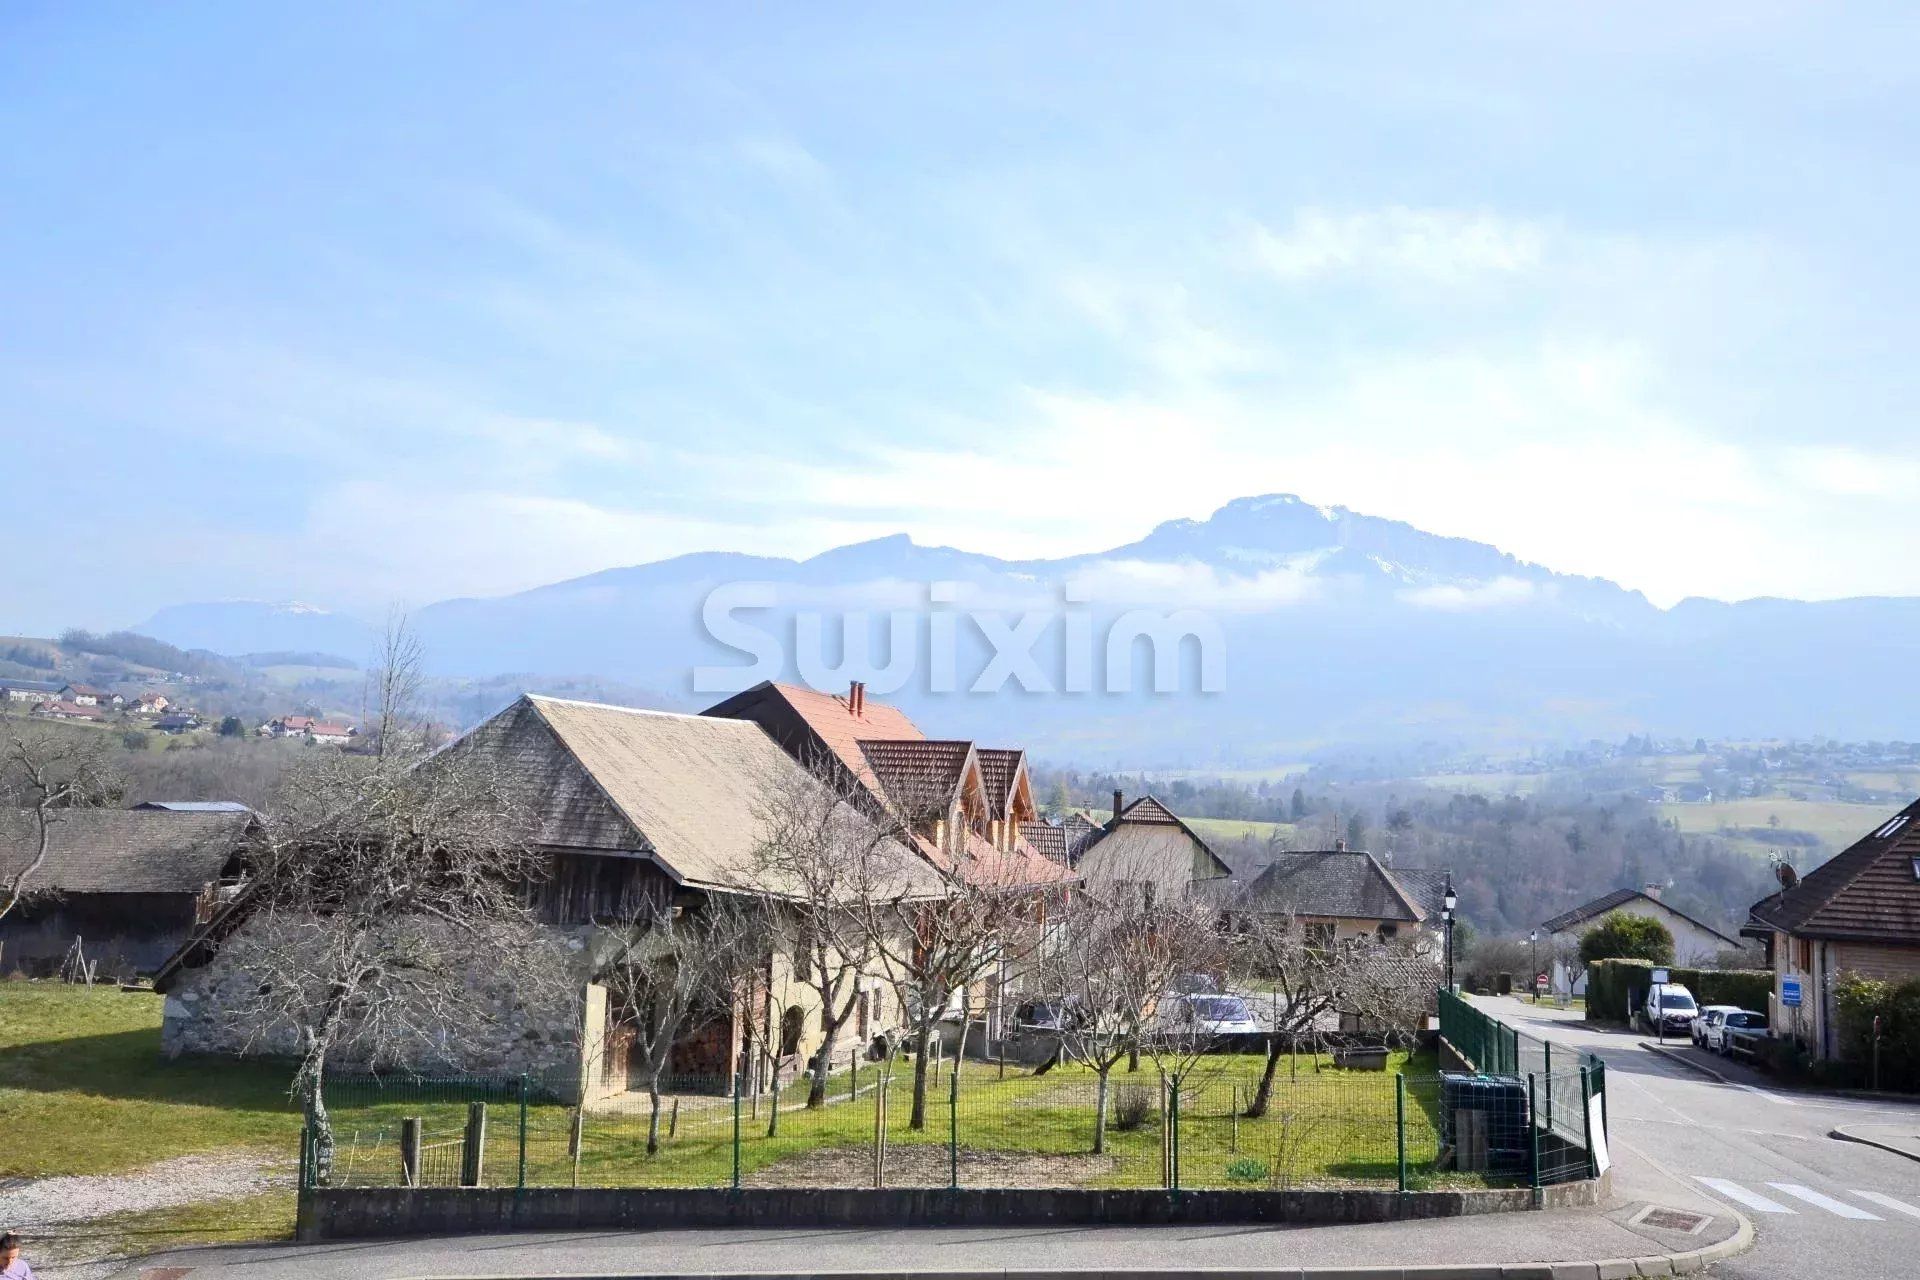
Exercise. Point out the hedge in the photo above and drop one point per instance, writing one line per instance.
(1610, 983)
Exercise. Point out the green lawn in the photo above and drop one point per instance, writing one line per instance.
(1234, 828)
(1325, 1127)
(1836, 823)
(83, 1088)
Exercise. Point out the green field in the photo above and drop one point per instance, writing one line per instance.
(1837, 824)
(1236, 828)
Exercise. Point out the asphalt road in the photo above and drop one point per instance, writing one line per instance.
(1821, 1207)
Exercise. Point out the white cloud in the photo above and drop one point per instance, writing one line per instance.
(1440, 245)
(1188, 585)
(1486, 595)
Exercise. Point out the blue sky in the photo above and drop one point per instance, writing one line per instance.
(356, 304)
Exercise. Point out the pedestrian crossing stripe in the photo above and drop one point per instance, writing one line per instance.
(1826, 1202)
(1740, 1195)
(1886, 1201)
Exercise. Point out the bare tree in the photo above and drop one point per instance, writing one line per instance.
(932, 949)
(1302, 982)
(1109, 956)
(388, 921)
(394, 686)
(46, 773)
(668, 968)
(821, 862)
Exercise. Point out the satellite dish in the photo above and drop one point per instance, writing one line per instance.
(1787, 875)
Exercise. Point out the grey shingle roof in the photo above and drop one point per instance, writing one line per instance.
(1426, 886)
(124, 850)
(1047, 840)
(998, 768)
(1336, 883)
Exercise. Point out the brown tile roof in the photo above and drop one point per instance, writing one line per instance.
(123, 850)
(999, 766)
(919, 775)
(1047, 840)
(1869, 892)
(831, 717)
(1148, 809)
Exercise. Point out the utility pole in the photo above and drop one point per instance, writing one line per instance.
(1448, 901)
(1533, 975)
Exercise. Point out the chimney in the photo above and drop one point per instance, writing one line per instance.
(1119, 800)
(857, 698)
(1339, 846)
(1653, 890)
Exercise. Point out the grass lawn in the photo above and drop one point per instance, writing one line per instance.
(83, 1088)
(1324, 1127)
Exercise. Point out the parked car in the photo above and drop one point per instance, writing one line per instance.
(1207, 1015)
(1675, 1013)
(1710, 1015)
(1044, 1015)
(1741, 1032)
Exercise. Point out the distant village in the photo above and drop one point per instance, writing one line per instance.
(150, 709)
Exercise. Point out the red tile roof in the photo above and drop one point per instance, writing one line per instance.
(1869, 892)
(830, 716)
(999, 766)
(918, 774)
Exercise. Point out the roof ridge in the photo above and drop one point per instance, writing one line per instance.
(634, 711)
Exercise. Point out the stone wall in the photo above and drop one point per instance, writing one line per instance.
(520, 1038)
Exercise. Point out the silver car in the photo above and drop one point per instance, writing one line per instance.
(1710, 1016)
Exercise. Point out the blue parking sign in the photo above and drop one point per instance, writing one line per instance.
(1790, 991)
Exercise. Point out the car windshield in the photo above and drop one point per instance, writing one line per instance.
(1219, 1008)
(1676, 1002)
(1746, 1019)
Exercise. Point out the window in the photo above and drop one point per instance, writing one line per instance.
(1389, 931)
(1802, 955)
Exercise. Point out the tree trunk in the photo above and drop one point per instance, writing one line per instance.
(1100, 1112)
(653, 1116)
(823, 1064)
(1264, 1094)
(922, 1042)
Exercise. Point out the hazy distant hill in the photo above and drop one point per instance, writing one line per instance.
(1335, 626)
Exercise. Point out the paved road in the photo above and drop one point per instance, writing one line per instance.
(1820, 1207)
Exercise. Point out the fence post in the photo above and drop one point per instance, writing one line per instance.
(739, 1082)
(953, 1131)
(410, 1151)
(473, 1151)
(1606, 1128)
(880, 1131)
(1166, 1136)
(1400, 1127)
(1586, 1121)
(576, 1140)
(1174, 1123)
(523, 1133)
(1533, 1142)
(1233, 1133)
(1547, 1048)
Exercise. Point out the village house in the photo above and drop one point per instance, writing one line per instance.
(148, 704)
(1695, 942)
(1144, 844)
(286, 727)
(322, 733)
(132, 884)
(87, 695)
(16, 690)
(177, 722)
(1343, 895)
(56, 709)
(1858, 913)
(638, 810)
(968, 810)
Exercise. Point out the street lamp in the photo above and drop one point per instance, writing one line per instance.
(1448, 901)
(1533, 977)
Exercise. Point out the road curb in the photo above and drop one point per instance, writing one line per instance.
(1847, 1136)
(1658, 1264)
(1674, 1055)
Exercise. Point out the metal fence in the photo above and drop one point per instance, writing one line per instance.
(1194, 1124)
(1564, 1082)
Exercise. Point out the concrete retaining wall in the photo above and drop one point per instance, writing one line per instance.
(343, 1213)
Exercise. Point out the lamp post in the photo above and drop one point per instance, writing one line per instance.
(1533, 975)
(1448, 901)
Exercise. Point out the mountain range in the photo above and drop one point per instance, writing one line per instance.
(1313, 626)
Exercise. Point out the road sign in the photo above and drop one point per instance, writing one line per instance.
(1660, 978)
(1790, 992)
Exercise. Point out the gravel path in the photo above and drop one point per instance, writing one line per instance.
(28, 1204)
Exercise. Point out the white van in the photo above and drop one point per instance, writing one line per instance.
(1676, 1011)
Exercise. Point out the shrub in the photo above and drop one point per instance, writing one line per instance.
(1857, 1002)
(134, 739)
(1612, 983)
(1627, 937)
(1246, 1169)
(1132, 1105)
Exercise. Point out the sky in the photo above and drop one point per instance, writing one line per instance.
(356, 304)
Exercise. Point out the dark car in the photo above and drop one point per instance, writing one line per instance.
(1742, 1033)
